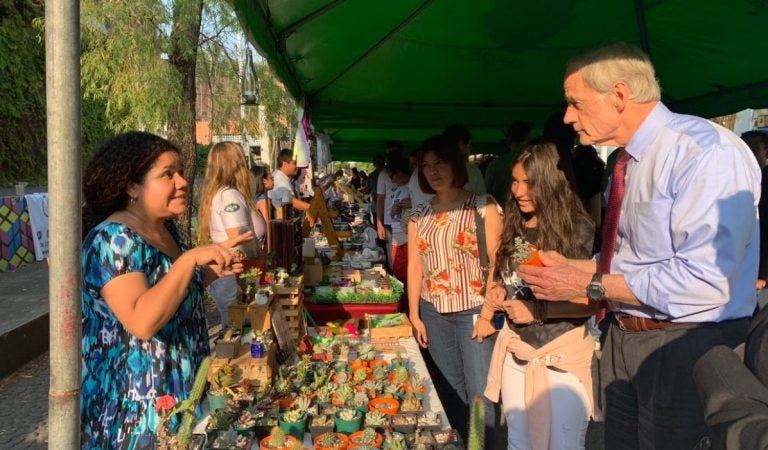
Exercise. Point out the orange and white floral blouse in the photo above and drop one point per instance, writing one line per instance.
(450, 262)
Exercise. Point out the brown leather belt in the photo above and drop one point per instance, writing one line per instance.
(632, 323)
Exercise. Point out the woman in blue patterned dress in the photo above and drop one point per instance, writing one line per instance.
(144, 331)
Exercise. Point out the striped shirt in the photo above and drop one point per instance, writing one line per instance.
(450, 263)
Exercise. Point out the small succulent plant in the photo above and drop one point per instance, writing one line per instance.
(277, 437)
(523, 250)
(344, 393)
(394, 441)
(367, 438)
(330, 440)
(220, 420)
(366, 352)
(411, 403)
(302, 403)
(401, 375)
(283, 386)
(229, 439)
(360, 399)
(359, 376)
(294, 416)
(348, 414)
(417, 383)
(322, 421)
(376, 419)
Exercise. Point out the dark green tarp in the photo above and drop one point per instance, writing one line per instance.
(372, 70)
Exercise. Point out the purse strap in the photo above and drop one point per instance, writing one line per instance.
(482, 247)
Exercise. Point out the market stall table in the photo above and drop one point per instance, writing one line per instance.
(431, 400)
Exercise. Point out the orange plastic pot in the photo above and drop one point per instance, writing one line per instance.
(358, 364)
(376, 363)
(267, 442)
(534, 260)
(357, 434)
(386, 405)
(343, 446)
(286, 402)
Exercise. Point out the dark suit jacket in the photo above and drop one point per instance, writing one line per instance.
(735, 392)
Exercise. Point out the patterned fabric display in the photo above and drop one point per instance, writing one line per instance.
(122, 374)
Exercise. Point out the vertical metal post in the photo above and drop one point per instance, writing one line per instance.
(62, 74)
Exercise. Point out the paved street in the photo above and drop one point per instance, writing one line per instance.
(24, 412)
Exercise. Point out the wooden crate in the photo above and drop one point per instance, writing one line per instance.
(236, 314)
(261, 369)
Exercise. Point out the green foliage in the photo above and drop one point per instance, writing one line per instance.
(22, 94)
(278, 108)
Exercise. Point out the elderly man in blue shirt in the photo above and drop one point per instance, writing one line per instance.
(678, 270)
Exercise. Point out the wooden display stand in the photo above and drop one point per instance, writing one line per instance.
(290, 299)
(318, 209)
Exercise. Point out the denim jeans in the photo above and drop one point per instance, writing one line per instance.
(223, 291)
(462, 361)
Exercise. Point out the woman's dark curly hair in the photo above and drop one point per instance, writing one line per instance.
(123, 159)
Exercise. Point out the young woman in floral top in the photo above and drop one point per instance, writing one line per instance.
(445, 288)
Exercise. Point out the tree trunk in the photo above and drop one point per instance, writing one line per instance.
(187, 15)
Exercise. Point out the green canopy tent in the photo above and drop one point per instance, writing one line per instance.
(371, 70)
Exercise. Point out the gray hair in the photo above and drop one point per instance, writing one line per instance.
(603, 66)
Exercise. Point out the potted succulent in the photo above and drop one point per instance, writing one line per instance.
(373, 387)
(368, 437)
(284, 392)
(385, 405)
(443, 437)
(526, 253)
(348, 420)
(429, 420)
(404, 423)
(246, 421)
(394, 441)
(374, 363)
(411, 404)
(323, 394)
(294, 422)
(342, 395)
(376, 419)
(366, 353)
(360, 402)
(278, 440)
(224, 379)
(331, 441)
(415, 386)
(424, 437)
(320, 424)
(399, 376)
(393, 390)
(230, 439)
(360, 375)
(265, 424)
(220, 420)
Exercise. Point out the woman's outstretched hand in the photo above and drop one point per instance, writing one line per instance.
(219, 257)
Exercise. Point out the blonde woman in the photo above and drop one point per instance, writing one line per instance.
(227, 209)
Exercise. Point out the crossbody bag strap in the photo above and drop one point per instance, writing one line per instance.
(482, 247)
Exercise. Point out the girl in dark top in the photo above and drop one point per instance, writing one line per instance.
(543, 354)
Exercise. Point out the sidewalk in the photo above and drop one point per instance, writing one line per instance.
(24, 376)
(23, 315)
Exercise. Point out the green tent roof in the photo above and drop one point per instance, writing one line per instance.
(372, 70)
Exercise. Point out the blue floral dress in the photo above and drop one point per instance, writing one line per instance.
(122, 374)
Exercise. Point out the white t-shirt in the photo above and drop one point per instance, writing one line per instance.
(229, 210)
(418, 197)
(383, 187)
(398, 193)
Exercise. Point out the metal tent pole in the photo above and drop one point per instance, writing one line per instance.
(62, 74)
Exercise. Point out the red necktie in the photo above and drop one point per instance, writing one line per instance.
(611, 221)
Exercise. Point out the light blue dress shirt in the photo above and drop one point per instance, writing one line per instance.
(688, 239)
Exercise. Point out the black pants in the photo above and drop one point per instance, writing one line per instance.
(646, 378)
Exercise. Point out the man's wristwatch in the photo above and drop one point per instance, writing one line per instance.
(595, 289)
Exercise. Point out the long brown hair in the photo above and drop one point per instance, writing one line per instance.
(225, 167)
(559, 211)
